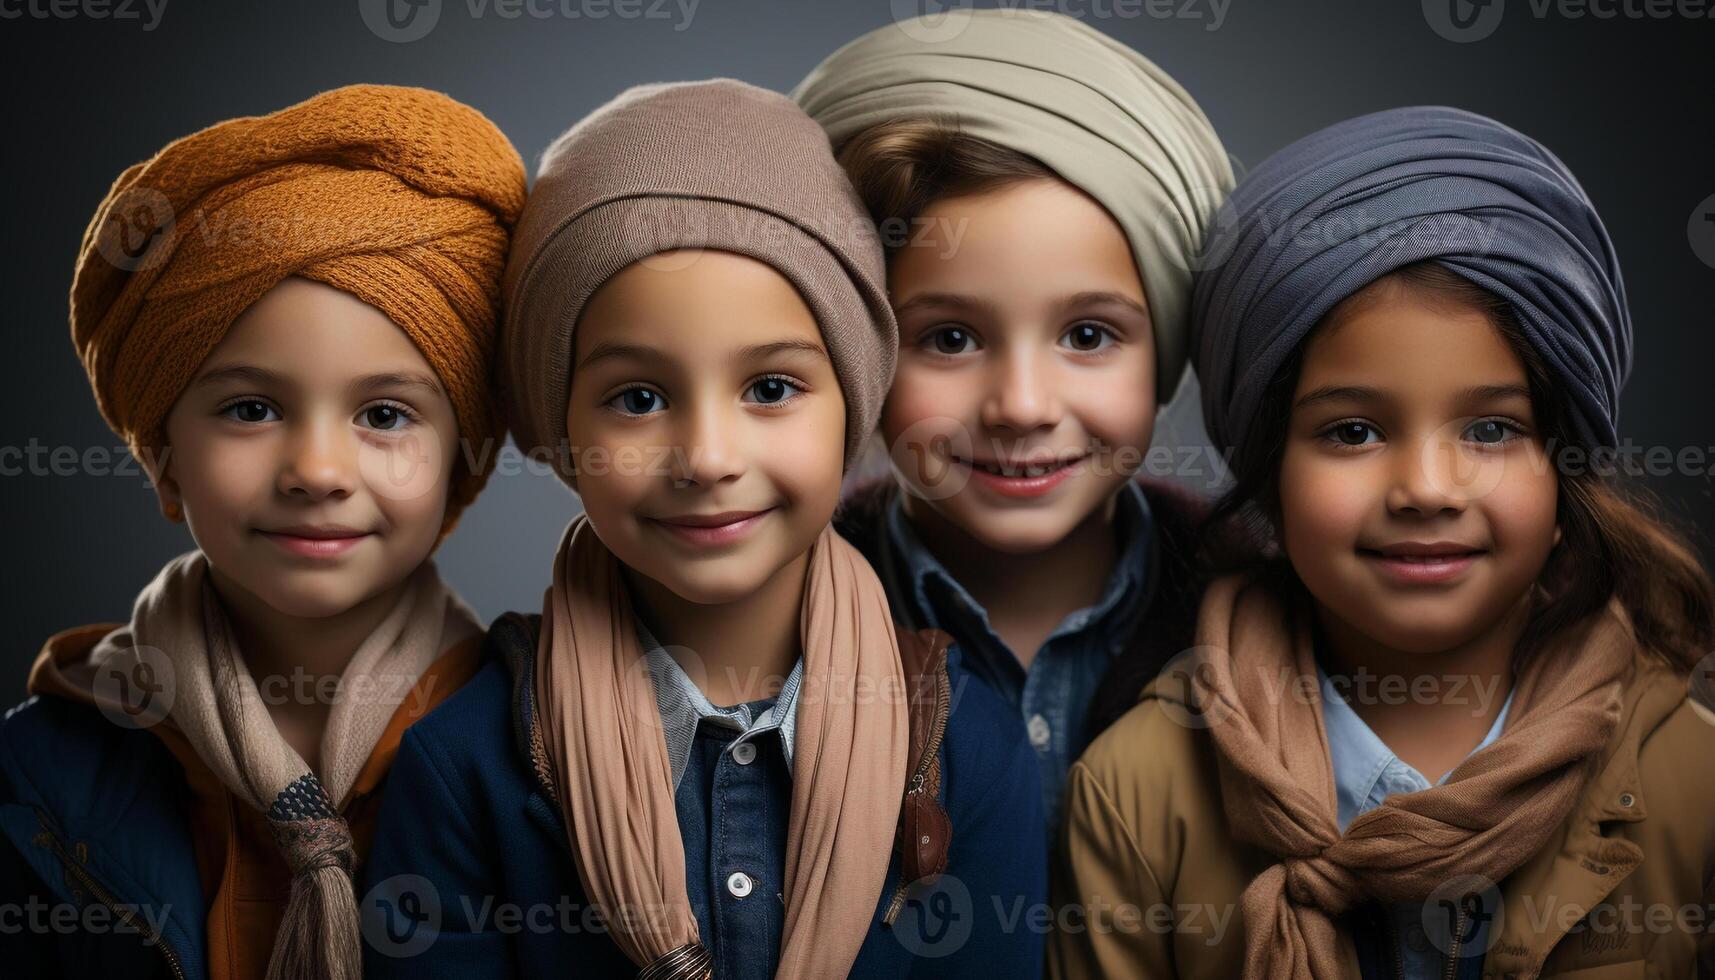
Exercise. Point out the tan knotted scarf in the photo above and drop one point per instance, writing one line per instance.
(1493, 813)
(217, 705)
(608, 757)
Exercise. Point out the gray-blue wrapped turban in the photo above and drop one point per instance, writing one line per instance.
(1340, 208)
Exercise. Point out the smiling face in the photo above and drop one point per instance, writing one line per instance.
(311, 453)
(1417, 500)
(1025, 394)
(707, 422)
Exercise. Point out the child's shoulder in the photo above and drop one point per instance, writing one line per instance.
(1157, 751)
(67, 758)
(474, 727)
(1682, 738)
(1147, 794)
(57, 735)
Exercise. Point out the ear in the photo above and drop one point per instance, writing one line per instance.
(166, 485)
(1557, 535)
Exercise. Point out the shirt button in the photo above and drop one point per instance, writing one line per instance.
(739, 884)
(1040, 734)
(744, 753)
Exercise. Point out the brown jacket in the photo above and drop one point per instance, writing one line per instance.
(1626, 888)
(240, 866)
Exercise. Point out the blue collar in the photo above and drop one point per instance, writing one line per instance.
(683, 706)
(941, 602)
(1366, 771)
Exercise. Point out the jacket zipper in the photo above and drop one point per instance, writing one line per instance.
(918, 778)
(125, 915)
(1453, 951)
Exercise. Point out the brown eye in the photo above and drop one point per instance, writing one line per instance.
(384, 417)
(250, 411)
(1087, 336)
(1352, 433)
(951, 340)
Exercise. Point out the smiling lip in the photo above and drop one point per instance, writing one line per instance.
(316, 541)
(712, 530)
(1019, 480)
(1424, 563)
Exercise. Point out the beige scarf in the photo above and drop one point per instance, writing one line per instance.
(608, 757)
(1495, 811)
(216, 703)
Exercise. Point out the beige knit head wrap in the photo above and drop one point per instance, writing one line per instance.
(1102, 116)
(718, 165)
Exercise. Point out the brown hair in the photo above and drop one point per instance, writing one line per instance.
(1615, 542)
(902, 166)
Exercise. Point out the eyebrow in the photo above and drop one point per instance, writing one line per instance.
(254, 374)
(1088, 297)
(1361, 393)
(750, 352)
(396, 380)
(240, 372)
(1096, 297)
(941, 300)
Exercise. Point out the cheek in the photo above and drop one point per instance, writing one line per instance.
(804, 457)
(615, 475)
(1116, 403)
(929, 401)
(220, 475)
(1523, 508)
(409, 475)
(1322, 506)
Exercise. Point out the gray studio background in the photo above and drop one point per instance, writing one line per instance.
(92, 86)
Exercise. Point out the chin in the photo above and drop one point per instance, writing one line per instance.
(1016, 532)
(1422, 630)
(717, 584)
(311, 600)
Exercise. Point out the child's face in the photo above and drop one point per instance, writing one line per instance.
(312, 452)
(1027, 345)
(1418, 503)
(706, 422)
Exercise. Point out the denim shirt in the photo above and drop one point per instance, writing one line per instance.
(1053, 694)
(1366, 772)
(732, 779)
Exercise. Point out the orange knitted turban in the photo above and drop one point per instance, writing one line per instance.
(401, 197)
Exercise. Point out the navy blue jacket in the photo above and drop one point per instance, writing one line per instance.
(97, 871)
(471, 873)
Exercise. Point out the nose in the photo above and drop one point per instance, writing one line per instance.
(320, 461)
(711, 449)
(1430, 479)
(1021, 392)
